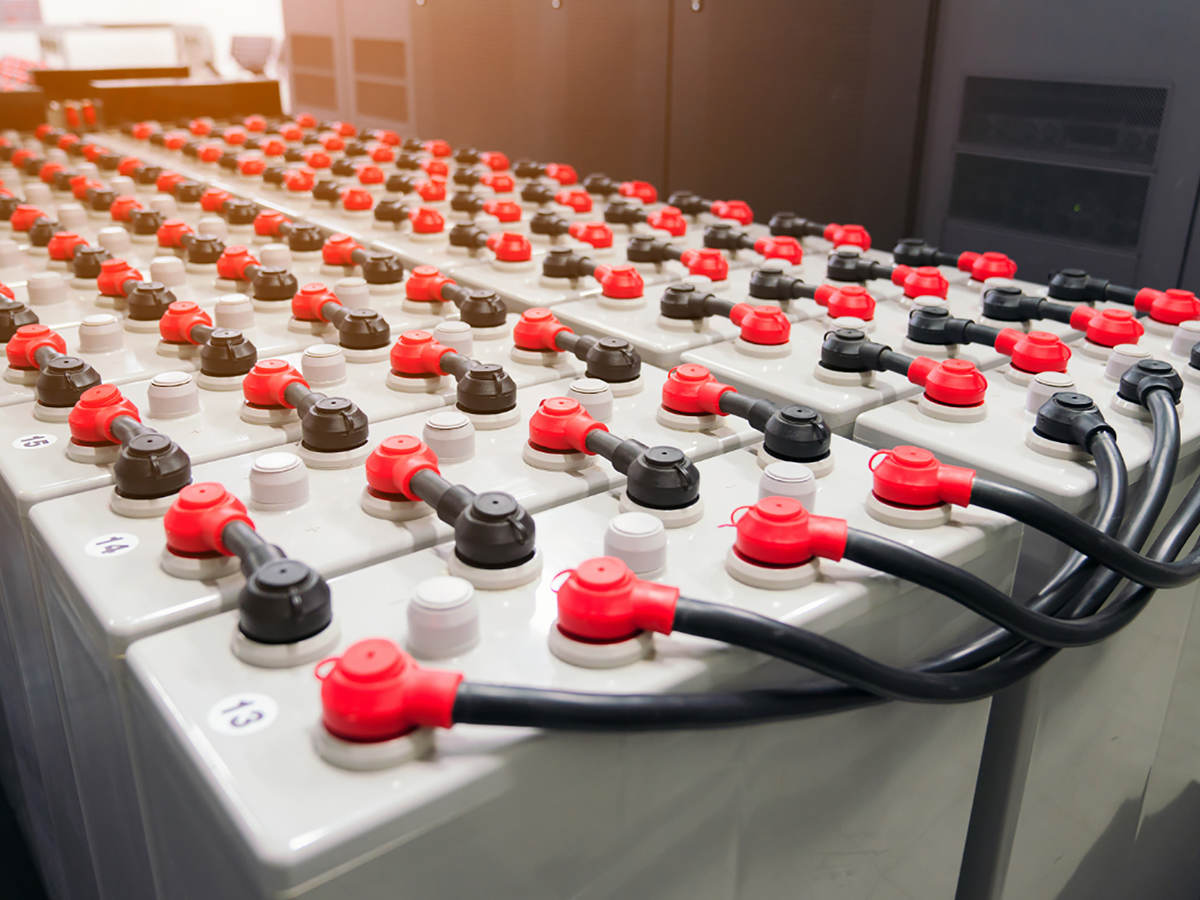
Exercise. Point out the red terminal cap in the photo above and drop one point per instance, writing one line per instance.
(416, 353)
(273, 147)
(692, 390)
(292, 133)
(127, 165)
(113, 275)
(761, 324)
(848, 236)
(345, 129)
(620, 282)
(90, 151)
(505, 210)
(499, 182)
(214, 199)
(333, 142)
(1170, 307)
(264, 385)
(170, 233)
(923, 281)
(175, 327)
(392, 464)
(383, 154)
(437, 147)
(1107, 327)
(596, 234)
(174, 140)
(846, 300)
(780, 247)
(580, 201)
(375, 691)
(27, 340)
(357, 200)
(123, 207)
(602, 601)
(737, 210)
(308, 304)
(425, 283)
(388, 137)
(435, 168)
(80, 185)
(338, 250)
(913, 477)
(20, 157)
(510, 246)
(779, 531)
(951, 382)
(306, 120)
(47, 172)
(668, 219)
(7, 291)
(42, 130)
(561, 425)
(370, 175)
(564, 174)
(233, 262)
(164, 184)
(433, 191)
(1037, 351)
(210, 153)
(268, 222)
(68, 140)
(494, 160)
(235, 136)
(198, 518)
(538, 329)
(255, 123)
(639, 190)
(983, 266)
(62, 246)
(427, 220)
(707, 261)
(251, 165)
(317, 159)
(299, 181)
(143, 130)
(92, 415)
(200, 127)
(24, 216)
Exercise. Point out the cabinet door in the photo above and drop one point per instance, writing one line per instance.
(315, 58)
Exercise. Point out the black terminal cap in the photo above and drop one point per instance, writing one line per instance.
(682, 301)
(101, 199)
(327, 190)
(293, 155)
(847, 264)
(304, 238)
(148, 301)
(391, 211)
(797, 434)
(8, 205)
(600, 184)
(34, 164)
(483, 308)
(663, 478)
(14, 314)
(228, 160)
(343, 168)
(772, 284)
(494, 531)
(188, 192)
(158, 139)
(466, 202)
(1194, 356)
(42, 230)
(548, 224)
(1070, 418)
(723, 236)
(527, 168)
(252, 143)
(412, 145)
(466, 155)
(274, 174)
(537, 192)
(274, 283)
(332, 425)
(382, 267)
(311, 137)
(465, 178)
(61, 180)
(468, 236)
(408, 161)
(62, 381)
(355, 148)
(614, 360)
(645, 248)
(620, 212)
(688, 202)
(399, 183)
(227, 354)
(913, 251)
(934, 325)
(145, 221)
(51, 137)
(363, 329)
(842, 351)
(6, 152)
(203, 249)
(560, 262)
(284, 601)
(1005, 304)
(486, 388)
(1075, 286)
(240, 212)
(788, 224)
(86, 262)
(191, 149)
(151, 465)
(1148, 375)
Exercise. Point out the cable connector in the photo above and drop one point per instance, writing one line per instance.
(913, 477)
(1071, 418)
(392, 465)
(416, 354)
(194, 523)
(779, 531)
(601, 600)
(562, 425)
(266, 384)
(1148, 375)
(691, 389)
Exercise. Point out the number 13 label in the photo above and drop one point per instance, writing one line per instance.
(242, 714)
